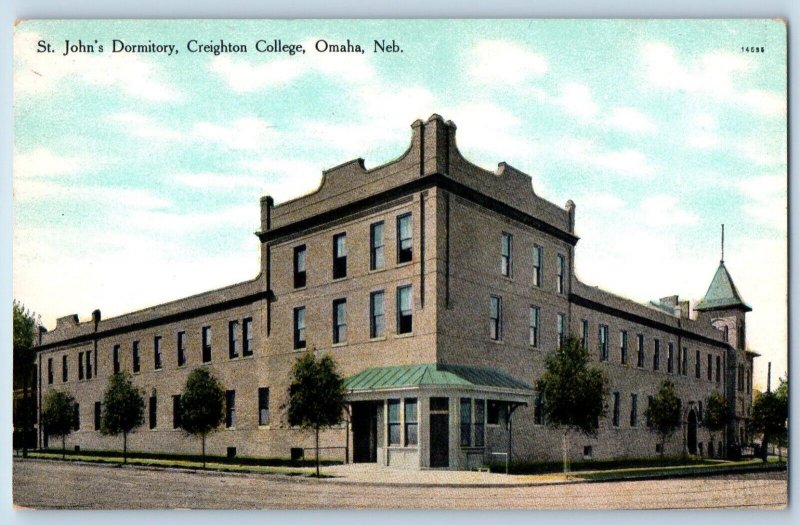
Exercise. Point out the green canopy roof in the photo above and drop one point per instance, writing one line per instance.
(438, 374)
(722, 293)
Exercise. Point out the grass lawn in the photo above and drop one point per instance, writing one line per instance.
(705, 467)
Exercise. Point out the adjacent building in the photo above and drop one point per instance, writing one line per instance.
(439, 288)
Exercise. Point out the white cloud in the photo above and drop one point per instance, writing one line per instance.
(764, 102)
(767, 199)
(243, 217)
(631, 120)
(628, 162)
(755, 150)
(39, 190)
(41, 73)
(576, 100)
(144, 127)
(664, 211)
(501, 62)
(600, 201)
(41, 162)
(217, 181)
(703, 132)
(488, 128)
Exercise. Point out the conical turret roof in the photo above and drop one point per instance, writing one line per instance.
(722, 293)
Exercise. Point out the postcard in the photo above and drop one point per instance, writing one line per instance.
(446, 264)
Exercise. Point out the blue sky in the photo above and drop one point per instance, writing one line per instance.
(137, 176)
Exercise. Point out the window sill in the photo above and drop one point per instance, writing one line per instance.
(338, 279)
(377, 339)
(471, 448)
(158, 369)
(496, 341)
(299, 288)
(407, 334)
(339, 345)
(182, 366)
(264, 427)
(405, 263)
(378, 270)
(230, 428)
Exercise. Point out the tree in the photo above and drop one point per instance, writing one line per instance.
(574, 394)
(782, 393)
(58, 416)
(202, 405)
(25, 324)
(717, 415)
(123, 409)
(316, 395)
(664, 412)
(770, 411)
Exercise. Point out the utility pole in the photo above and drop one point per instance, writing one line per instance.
(769, 374)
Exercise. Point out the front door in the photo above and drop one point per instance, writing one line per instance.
(440, 432)
(365, 432)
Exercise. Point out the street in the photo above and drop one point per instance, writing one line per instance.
(53, 484)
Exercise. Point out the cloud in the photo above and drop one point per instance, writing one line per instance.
(217, 181)
(244, 217)
(501, 62)
(754, 150)
(42, 73)
(41, 162)
(576, 100)
(600, 201)
(663, 211)
(702, 132)
(488, 128)
(144, 127)
(631, 120)
(766, 199)
(627, 162)
(39, 190)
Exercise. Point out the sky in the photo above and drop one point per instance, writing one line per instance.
(137, 177)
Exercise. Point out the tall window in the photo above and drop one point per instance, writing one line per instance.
(263, 406)
(404, 311)
(404, 242)
(561, 271)
(98, 413)
(466, 421)
(376, 246)
(585, 333)
(339, 321)
(640, 350)
(670, 357)
(719, 369)
(300, 327)
(648, 420)
(656, 354)
(64, 369)
(685, 360)
(411, 422)
(340, 255)
(49, 370)
(206, 332)
(181, 345)
(623, 347)
(247, 336)
(725, 333)
(377, 318)
(533, 328)
(176, 411)
(740, 378)
(394, 422)
(505, 254)
(709, 367)
(88, 365)
(634, 410)
(560, 322)
(230, 409)
(157, 361)
(615, 414)
(80, 366)
(233, 339)
(602, 337)
(538, 257)
(480, 422)
(495, 322)
(538, 408)
(300, 266)
(697, 364)
(136, 358)
(76, 416)
(152, 412)
(747, 382)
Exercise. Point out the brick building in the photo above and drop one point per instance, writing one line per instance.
(439, 288)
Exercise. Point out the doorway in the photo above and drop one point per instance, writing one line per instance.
(440, 432)
(691, 434)
(365, 432)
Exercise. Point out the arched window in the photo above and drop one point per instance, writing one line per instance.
(725, 333)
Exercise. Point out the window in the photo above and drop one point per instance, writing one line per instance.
(685, 360)
(670, 357)
(247, 336)
(634, 410)
(709, 368)
(411, 422)
(505, 254)
(153, 410)
(300, 327)
(206, 332)
(615, 416)
(404, 244)
(339, 321)
(640, 350)
(340, 256)
(88, 365)
(80, 366)
(649, 421)
(181, 348)
(533, 328)
(49, 370)
(719, 369)
(725, 333)
(495, 321)
(157, 363)
(623, 347)
(233, 339)
(377, 319)
(493, 412)
(299, 266)
(747, 382)
(678, 358)
(376, 246)
(394, 422)
(263, 406)
(480, 421)
(700, 411)
(466, 421)
(603, 342)
(404, 313)
(585, 333)
(98, 414)
(176, 411)
(538, 408)
(537, 265)
(136, 360)
(64, 369)
(230, 409)
(587, 452)
(76, 416)
(656, 354)
(697, 364)
(561, 270)
(560, 329)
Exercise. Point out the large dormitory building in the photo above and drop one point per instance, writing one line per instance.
(439, 288)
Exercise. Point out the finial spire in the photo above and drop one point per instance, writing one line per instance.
(722, 257)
